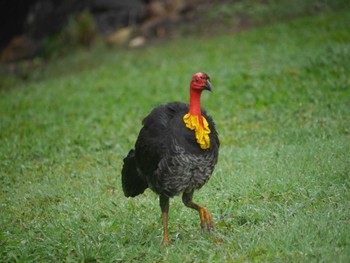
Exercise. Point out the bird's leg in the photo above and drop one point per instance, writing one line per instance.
(164, 206)
(204, 214)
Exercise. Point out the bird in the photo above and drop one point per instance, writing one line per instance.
(175, 153)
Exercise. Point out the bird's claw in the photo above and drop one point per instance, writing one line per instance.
(206, 220)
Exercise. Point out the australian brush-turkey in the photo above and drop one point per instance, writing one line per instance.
(175, 153)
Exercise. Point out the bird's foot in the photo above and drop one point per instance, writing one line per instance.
(206, 220)
(165, 242)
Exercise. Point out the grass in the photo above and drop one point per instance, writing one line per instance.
(280, 192)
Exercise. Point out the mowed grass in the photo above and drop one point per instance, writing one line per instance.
(280, 192)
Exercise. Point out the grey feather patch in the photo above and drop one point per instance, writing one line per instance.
(181, 171)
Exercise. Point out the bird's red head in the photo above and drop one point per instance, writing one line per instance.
(201, 81)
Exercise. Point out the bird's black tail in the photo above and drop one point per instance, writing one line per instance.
(132, 183)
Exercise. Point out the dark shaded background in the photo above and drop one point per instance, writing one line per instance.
(39, 18)
(34, 27)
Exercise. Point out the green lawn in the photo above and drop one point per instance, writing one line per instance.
(280, 192)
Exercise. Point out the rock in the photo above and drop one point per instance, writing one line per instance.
(19, 47)
(137, 42)
(162, 15)
(119, 37)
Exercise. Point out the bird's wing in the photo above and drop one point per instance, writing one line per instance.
(156, 136)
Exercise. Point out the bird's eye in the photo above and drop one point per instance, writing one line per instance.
(197, 79)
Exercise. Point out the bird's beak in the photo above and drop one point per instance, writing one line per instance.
(208, 86)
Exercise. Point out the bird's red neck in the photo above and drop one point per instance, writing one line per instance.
(195, 104)
(195, 121)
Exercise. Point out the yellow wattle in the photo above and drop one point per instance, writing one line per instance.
(202, 132)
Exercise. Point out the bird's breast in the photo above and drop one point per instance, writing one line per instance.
(181, 171)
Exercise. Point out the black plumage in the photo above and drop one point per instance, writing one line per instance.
(168, 159)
